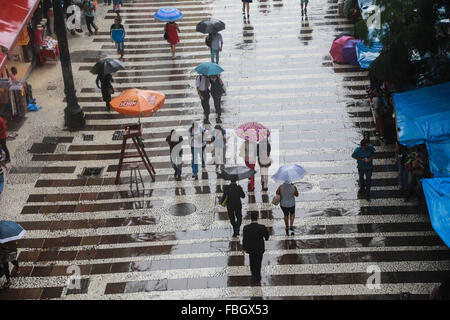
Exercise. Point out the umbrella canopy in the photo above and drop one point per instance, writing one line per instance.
(209, 69)
(135, 102)
(336, 48)
(168, 14)
(289, 173)
(252, 131)
(210, 26)
(107, 66)
(10, 231)
(237, 173)
(349, 52)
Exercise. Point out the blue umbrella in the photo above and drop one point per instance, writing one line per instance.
(168, 14)
(289, 173)
(209, 69)
(10, 231)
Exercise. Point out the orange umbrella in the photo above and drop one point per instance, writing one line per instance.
(135, 102)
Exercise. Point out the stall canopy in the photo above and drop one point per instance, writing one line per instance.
(437, 193)
(423, 116)
(14, 15)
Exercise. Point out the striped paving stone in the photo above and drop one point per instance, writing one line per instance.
(277, 71)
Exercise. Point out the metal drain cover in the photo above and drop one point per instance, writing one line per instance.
(118, 135)
(182, 209)
(88, 137)
(88, 172)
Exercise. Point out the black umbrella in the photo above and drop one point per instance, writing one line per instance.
(107, 66)
(210, 26)
(237, 173)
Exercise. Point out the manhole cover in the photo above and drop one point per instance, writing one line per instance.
(118, 135)
(88, 172)
(88, 137)
(182, 209)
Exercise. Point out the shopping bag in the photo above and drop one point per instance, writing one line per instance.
(224, 202)
(276, 200)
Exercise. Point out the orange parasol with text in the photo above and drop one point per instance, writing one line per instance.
(136, 102)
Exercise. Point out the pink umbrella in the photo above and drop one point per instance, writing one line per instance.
(337, 46)
(252, 131)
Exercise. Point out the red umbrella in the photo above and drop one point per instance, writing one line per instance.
(337, 46)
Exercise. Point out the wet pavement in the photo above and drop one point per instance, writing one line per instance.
(173, 239)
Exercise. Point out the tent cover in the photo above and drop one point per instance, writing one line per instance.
(437, 194)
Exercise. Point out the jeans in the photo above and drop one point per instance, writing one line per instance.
(177, 165)
(215, 52)
(205, 102)
(2, 182)
(216, 99)
(195, 153)
(89, 23)
(235, 216)
(3, 145)
(365, 184)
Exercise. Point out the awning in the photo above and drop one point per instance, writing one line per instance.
(437, 194)
(423, 116)
(14, 16)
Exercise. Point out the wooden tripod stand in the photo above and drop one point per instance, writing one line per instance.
(134, 133)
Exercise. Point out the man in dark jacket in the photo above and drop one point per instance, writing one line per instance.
(233, 193)
(253, 243)
(107, 89)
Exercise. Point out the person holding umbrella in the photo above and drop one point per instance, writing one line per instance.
(287, 192)
(172, 30)
(10, 231)
(202, 84)
(106, 87)
(216, 46)
(233, 194)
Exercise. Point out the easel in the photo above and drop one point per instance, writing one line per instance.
(134, 132)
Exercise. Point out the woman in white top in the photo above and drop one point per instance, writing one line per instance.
(288, 192)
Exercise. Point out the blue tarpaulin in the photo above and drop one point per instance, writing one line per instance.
(366, 55)
(423, 116)
(437, 194)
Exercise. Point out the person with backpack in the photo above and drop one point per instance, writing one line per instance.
(198, 147)
(117, 32)
(171, 29)
(364, 156)
(202, 84)
(217, 91)
(216, 46)
(89, 13)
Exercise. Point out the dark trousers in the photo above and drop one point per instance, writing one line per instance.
(217, 99)
(205, 102)
(365, 184)
(255, 265)
(89, 23)
(235, 216)
(177, 165)
(5, 267)
(5, 148)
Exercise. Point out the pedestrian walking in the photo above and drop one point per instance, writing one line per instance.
(117, 32)
(305, 4)
(89, 13)
(232, 196)
(264, 164)
(106, 87)
(8, 253)
(246, 4)
(198, 147)
(171, 28)
(202, 84)
(2, 176)
(220, 143)
(287, 192)
(176, 152)
(415, 165)
(3, 136)
(250, 161)
(116, 6)
(401, 154)
(254, 235)
(216, 46)
(107, 2)
(364, 156)
(217, 91)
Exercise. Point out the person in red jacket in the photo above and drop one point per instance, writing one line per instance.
(3, 136)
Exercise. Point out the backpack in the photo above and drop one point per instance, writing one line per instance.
(208, 40)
